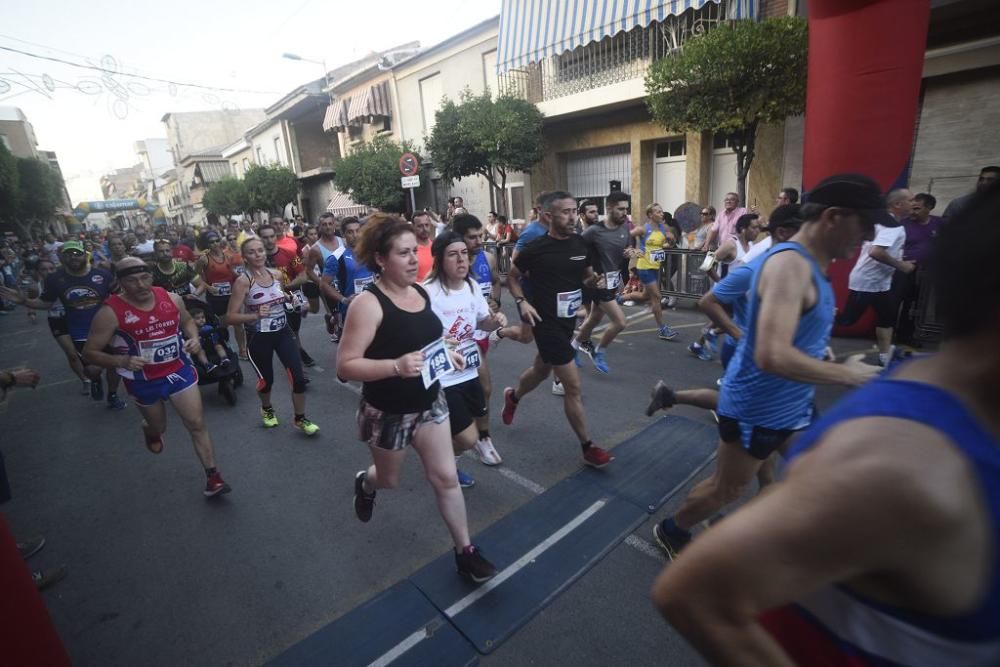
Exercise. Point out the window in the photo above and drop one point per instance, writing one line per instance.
(672, 148)
(355, 132)
(430, 99)
(515, 194)
(385, 125)
(490, 78)
(246, 165)
(236, 168)
(277, 150)
(5, 140)
(260, 155)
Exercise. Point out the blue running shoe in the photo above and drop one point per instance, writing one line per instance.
(465, 479)
(116, 402)
(712, 341)
(600, 363)
(666, 333)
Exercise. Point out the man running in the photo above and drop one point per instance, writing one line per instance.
(879, 547)
(423, 229)
(767, 393)
(328, 244)
(173, 275)
(293, 276)
(143, 326)
(346, 278)
(557, 266)
(608, 243)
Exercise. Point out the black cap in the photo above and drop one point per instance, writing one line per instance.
(854, 191)
(786, 215)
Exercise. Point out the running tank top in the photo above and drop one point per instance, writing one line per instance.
(740, 254)
(837, 627)
(272, 296)
(480, 272)
(651, 244)
(220, 275)
(152, 334)
(338, 253)
(749, 394)
(400, 333)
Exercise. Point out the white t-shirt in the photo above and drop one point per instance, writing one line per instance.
(459, 311)
(758, 249)
(869, 275)
(145, 248)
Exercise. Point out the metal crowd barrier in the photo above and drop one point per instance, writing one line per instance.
(680, 277)
(502, 253)
(927, 327)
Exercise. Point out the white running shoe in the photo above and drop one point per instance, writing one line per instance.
(558, 389)
(487, 452)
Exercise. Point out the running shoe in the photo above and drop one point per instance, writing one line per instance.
(364, 502)
(509, 406)
(711, 337)
(587, 347)
(558, 389)
(700, 351)
(487, 453)
(671, 543)
(630, 302)
(268, 417)
(666, 333)
(307, 361)
(116, 402)
(306, 426)
(465, 480)
(225, 363)
(43, 580)
(97, 389)
(85, 388)
(31, 547)
(595, 457)
(495, 338)
(244, 356)
(212, 369)
(600, 362)
(662, 397)
(671, 301)
(331, 324)
(473, 566)
(215, 486)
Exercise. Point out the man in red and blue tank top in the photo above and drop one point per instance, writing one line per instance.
(143, 326)
(880, 546)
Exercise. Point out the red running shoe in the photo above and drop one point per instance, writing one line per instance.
(215, 486)
(509, 406)
(596, 457)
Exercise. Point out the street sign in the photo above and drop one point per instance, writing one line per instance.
(408, 165)
(410, 181)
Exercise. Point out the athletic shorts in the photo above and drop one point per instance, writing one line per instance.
(390, 431)
(758, 441)
(593, 295)
(311, 290)
(217, 304)
(648, 276)
(58, 327)
(553, 341)
(886, 305)
(484, 345)
(466, 401)
(150, 392)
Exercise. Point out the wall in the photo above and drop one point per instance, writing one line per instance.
(20, 138)
(264, 140)
(189, 132)
(369, 132)
(236, 161)
(315, 147)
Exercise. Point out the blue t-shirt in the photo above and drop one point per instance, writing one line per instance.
(348, 275)
(534, 230)
(732, 291)
(81, 296)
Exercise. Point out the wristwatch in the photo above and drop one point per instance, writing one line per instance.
(518, 301)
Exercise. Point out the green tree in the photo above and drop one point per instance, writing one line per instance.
(486, 137)
(227, 197)
(10, 185)
(270, 188)
(730, 80)
(40, 188)
(371, 173)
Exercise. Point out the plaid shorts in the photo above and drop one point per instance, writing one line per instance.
(387, 430)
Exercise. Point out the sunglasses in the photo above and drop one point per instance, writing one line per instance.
(705, 213)
(73, 253)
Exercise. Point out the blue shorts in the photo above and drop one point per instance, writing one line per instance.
(648, 276)
(150, 392)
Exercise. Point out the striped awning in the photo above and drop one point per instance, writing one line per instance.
(372, 101)
(335, 118)
(531, 30)
(341, 204)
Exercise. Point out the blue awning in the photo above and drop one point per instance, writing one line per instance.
(531, 30)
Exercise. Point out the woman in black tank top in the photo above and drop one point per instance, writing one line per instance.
(386, 330)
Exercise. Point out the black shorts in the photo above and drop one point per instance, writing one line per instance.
(217, 304)
(311, 290)
(758, 441)
(58, 326)
(886, 305)
(593, 295)
(466, 401)
(552, 337)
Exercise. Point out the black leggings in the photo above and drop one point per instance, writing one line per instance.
(262, 346)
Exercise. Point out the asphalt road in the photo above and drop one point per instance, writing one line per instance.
(160, 576)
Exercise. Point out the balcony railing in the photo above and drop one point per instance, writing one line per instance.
(621, 57)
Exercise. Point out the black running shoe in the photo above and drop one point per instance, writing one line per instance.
(97, 389)
(307, 361)
(364, 502)
(671, 543)
(587, 347)
(662, 397)
(473, 566)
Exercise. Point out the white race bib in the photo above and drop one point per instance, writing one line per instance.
(161, 350)
(612, 280)
(223, 289)
(470, 350)
(297, 301)
(567, 303)
(658, 255)
(486, 289)
(272, 322)
(437, 362)
(361, 283)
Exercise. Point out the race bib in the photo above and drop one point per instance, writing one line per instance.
(486, 289)
(361, 283)
(436, 362)
(223, 289)
(161, 350)
(273, 321)
(658, 255)
(239, 269)
(297, 301)
(567, 303)
(470, 350)
(612, 280)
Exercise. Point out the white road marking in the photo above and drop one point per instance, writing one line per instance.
(645, 547)
(641, 315)
(400, 648)
(521, 480)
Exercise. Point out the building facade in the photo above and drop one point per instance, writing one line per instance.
(17, 134)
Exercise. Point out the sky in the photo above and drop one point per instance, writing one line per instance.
(92, 119)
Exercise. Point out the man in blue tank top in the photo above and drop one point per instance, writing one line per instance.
(880, 545)
(767, 393)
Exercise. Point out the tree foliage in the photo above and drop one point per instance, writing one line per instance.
(270, 188)
(486, 137)
(371, 173)
(227, 197)
(40, 189)
(10, 185)
(730, 80)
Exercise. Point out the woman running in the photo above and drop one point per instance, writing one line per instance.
(258, 303)
(393, 344)
(217, 270)
(654, 237)
(459, 303)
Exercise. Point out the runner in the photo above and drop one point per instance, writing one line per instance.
(81, 290)
(423, 227)
(173, 275)
(654, 237)
(734, 249)
(880, 544)
(392, 343)
(328, 244)
(556, 265)
(293, 277)
(217, 270)
(143, 326)
(345, 278)
(258, 303)
(608, 243)
(767, 394)
(457, 299)
(58, 325)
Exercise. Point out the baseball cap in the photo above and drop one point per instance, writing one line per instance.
(786, 215)
(853, 191)
(71, 245)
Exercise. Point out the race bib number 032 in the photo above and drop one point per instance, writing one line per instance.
(160, 351)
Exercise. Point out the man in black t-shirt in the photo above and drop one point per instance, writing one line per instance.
(558, 267)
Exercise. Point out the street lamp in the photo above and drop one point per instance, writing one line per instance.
(322, 62)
